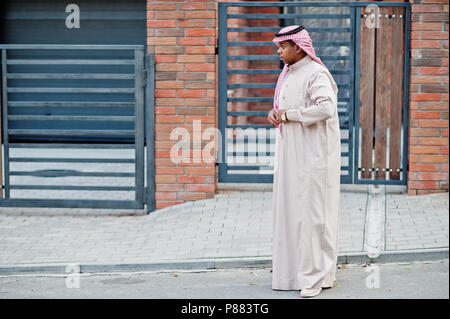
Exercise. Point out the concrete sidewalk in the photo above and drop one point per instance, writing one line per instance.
(232, 229)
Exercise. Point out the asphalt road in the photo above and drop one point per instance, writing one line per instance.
(424, 280)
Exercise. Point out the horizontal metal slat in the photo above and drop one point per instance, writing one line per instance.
(250, 99)
(71, 132)
(274, 29)
(248, 113)
(69, 173)
(79, 188)
(70, 160)
(68, 104)
(252, 86)
(70, 118)
(270, 43)
(255, 71)
(74, 203)
(260, 113)
(287, 16)
(69, 76)
(69, 61)
(71, 145)
(276, 57)
(69, 90)
(277, 71)
(71, 46)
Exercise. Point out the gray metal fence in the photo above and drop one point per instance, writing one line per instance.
(73, 119)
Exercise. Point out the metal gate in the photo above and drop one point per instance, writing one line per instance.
(249, 66)
(73, 119)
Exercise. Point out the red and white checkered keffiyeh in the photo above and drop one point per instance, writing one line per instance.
(303, 40)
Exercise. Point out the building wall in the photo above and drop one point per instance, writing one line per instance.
(428, 106)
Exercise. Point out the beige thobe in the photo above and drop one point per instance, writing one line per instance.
(306, 189)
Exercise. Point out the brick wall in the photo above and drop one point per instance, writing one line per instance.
(182, 35)
(429, 104)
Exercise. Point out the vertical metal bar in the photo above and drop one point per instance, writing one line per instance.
(5, 124)
(139, 125)
(405, 95)
(222, 94)
(356, 76)
(150, 131)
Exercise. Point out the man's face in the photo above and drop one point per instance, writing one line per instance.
(288, 53)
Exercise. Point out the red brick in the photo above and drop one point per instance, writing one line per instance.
(426, 26)
(425, 97)
(161, 102)
(169, 67)
(161, 24)
(425, 79)
(423, 185)
(431, 176)
(433, 141)
(191, 59)
(424, 44)
(192, 24)
(165, 93)
(426, 114)
(162, 41)
(200, 15)
(192, 6)
(171, 15)
(200, 170)
(161, 6)
(203, 67)
(169, 50)
(169, 84)
(434, 70)
(169, 170)
(425, 132)
(165, 195)
(191, 93)
(165, 58)
(434, 123)
(165, 110)
(425, 150)
(169, 187)
(203, 119)
(191, 179)
(433, 35)
(169, 119)
(433, 158)
(192, 41)
(416, 8)
(200, 50)
(424, 167)
(200, 32)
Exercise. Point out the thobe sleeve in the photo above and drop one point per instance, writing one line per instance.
(321, 93)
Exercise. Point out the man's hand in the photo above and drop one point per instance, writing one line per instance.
(273, 118)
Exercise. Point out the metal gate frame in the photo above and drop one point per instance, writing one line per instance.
(143, 117)
(353, 113)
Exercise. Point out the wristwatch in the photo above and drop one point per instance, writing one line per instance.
(284, 117)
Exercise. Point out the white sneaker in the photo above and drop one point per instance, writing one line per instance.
(310, 292)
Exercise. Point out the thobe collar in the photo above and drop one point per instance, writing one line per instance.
(297, 65)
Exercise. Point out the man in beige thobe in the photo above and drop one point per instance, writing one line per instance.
(306, 189)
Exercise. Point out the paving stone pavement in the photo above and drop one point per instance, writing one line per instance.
(232, 224)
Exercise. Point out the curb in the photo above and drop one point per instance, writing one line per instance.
(218, 263)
